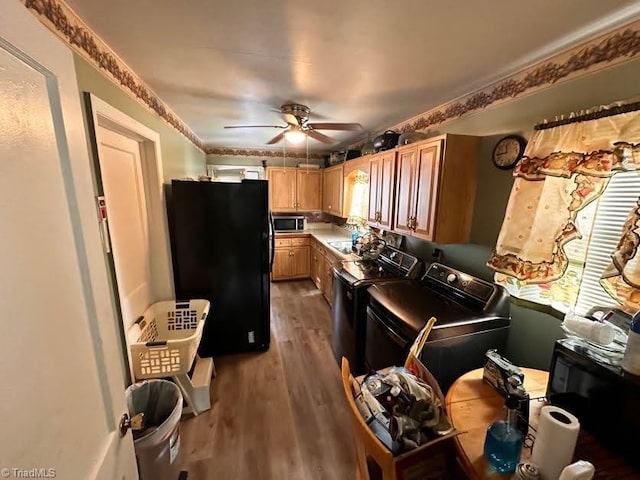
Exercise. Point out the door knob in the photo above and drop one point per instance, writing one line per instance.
(134, 423)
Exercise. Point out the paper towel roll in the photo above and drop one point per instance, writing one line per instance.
(555, 441)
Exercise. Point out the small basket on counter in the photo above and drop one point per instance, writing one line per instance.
(164, 341)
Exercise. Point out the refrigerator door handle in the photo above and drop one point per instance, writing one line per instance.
(273, 241)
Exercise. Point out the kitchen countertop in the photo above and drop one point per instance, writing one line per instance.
(324, 235)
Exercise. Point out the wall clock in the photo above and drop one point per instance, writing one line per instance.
(508, 151)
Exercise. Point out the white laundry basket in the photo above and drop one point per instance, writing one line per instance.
(164, 341)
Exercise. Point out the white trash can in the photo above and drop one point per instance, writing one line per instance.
(157, 445)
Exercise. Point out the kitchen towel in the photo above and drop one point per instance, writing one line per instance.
(555, 441)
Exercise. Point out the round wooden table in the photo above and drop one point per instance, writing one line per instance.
(472, 404)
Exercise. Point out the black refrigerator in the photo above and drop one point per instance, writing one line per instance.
(222, 251)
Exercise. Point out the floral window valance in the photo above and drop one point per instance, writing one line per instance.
(564, 170)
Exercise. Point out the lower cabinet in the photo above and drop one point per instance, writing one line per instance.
(291, 259)
(316, 265)
(300, 267)
(327, 279)
(303, 257)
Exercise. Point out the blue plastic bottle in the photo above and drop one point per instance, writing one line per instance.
(503, 443)
(354, 238)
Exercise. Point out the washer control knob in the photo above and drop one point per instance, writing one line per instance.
(451, 278)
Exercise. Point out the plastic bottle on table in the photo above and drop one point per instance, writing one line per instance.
(503, 442)
(580, 470)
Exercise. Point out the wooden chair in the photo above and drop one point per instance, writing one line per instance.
(433, 461)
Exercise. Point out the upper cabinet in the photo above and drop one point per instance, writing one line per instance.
(294, 189)
(333, 190)
(435, 188)
(382, 171)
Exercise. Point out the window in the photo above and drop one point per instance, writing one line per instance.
(601, 226)
(357, 197)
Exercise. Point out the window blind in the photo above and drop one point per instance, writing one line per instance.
(613, 207)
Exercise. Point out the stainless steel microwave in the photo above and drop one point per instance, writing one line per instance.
(288, 223)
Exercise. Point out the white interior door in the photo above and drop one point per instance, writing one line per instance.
(121, 172)
(62, 365)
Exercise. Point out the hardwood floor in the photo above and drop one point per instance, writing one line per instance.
(280, 414)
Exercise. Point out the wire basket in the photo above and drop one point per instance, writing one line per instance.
(164, 341)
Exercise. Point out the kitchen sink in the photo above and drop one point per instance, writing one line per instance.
(343, 247)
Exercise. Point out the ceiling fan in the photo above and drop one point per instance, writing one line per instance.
(298, 126)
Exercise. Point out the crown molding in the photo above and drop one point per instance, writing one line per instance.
(545, 69)
(606, 25)
(248, 152)
(604, 51)
(66, 24)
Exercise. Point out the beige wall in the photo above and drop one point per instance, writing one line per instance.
(180, 157)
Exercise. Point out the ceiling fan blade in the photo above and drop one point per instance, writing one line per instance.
(319, 136)
(276, 139)
(254, 126)
(335, 126)
(291, 119)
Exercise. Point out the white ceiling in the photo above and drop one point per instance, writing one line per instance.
(375, 62)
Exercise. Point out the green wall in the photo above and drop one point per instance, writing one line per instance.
(519, 116)
(533, 332)
(180, 157)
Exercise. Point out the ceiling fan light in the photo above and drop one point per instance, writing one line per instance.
(295, 137)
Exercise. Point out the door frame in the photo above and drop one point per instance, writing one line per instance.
(102, 114)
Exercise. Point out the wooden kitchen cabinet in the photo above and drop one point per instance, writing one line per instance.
(382, 174)
(291, 258)
(316, 266)
(281, 264)
(327, 276)
(435, 188)
(282, 189)
(294, 189)
(333, 190)
(309, 190)
(300, 266)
